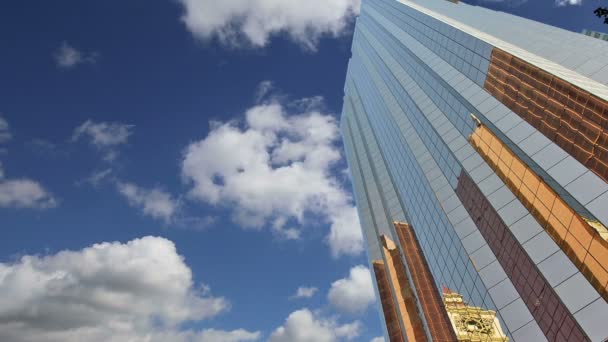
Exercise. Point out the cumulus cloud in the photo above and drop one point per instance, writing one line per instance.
(378, 339)
(306, 326)
(253, 22)
(305, 292)
(353, 294)
(136, 291)
(274, 169)
(155, 202)
(568, 2)
(106, 136)
(68, 56)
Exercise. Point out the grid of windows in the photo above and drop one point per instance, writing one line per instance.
(374, 191)
(410, 90)
(387, 310)
(388, 83)
(466, 53)
(388, 206)
(479, 292)
(452, 267)
(403, 47)
(367, 63)
(389, 197)
(585, 246)
(379, 171)
(556, 322)
(373, 166)
(575, 58)
(363, 206)
(573, 118)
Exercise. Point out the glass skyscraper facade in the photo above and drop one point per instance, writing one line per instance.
(478, 147)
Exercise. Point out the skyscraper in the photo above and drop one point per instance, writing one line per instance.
(478, 147)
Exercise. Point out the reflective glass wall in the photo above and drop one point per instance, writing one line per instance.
(416, 100)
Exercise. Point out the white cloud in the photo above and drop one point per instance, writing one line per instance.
(68, 56)
(21, 193)
(305, 292)
(5, 133)
(305, 326)
(253, 22)
(155, 202)
(106, 136)
(136, 291)
(568, 2)
(353, 294)
(24, 193)
(345, 233)
(378, 339)
(274, 169)
(349, 331)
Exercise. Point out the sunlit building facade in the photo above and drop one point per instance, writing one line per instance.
(478, 147)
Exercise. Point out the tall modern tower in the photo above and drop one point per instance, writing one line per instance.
(478, 146)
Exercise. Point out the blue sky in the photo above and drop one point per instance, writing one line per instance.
(158, 153)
